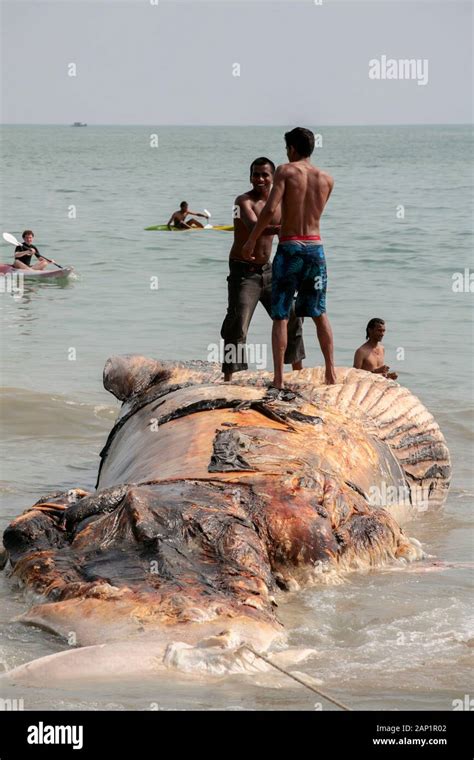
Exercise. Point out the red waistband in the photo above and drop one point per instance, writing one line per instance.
(299, 237)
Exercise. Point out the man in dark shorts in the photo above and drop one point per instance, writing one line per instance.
(250, 282)
(299, 264)
(25, 252)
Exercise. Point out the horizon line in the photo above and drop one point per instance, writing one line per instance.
(155, 124)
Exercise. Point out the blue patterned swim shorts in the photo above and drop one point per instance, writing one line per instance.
(299, 267)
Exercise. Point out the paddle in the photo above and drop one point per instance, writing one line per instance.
(208, 214)
(12, 239)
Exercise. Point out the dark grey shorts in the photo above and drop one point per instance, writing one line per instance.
(247, 285)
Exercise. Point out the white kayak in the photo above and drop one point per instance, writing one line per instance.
(38, 274)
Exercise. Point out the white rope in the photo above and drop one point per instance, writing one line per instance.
(298, 680)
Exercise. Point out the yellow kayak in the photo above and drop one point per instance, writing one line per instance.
(165, 228)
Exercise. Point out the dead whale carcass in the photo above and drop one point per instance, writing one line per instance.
(211, 497)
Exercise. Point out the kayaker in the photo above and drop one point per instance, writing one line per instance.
(178, 219)
(25, 252)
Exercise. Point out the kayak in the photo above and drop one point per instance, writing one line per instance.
(38, 274)
(165, 228)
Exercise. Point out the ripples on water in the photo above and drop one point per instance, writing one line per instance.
(390, 639)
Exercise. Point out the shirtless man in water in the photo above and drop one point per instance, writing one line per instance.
(178, 219)
(250, 281)
(371, 355)
(299, 264)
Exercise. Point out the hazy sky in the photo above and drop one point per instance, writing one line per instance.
(173, 62)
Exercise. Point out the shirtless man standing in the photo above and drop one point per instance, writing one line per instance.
(371, 355)
(250, 281)
(299, 264)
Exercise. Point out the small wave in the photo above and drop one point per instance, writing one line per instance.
(26, 414)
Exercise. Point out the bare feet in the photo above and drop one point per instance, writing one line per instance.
(331, 376)
(297, 365)
(277, 382)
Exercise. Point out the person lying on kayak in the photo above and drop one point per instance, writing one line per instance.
(24, 253)
(178, 219)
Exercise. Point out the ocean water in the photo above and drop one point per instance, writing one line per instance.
(387, 639)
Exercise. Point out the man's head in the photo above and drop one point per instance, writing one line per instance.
(28, 236)
(299, 143)
(183, 206)
(261, 173)
(375, 329)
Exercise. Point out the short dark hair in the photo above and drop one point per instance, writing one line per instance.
(373, 323)
(302, 140)
(28, 232)
(183, 203)
(261, 161)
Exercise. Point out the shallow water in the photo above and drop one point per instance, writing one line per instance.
(390, 639)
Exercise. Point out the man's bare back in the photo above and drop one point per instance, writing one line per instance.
(301, 190)
(306, 192)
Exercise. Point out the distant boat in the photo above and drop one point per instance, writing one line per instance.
(79, 124)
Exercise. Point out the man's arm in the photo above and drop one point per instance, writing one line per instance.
(168, 224)
(358, 359)
(274, 200)
(197, 213)
(248, 216)
(331, 185)
(20, 250)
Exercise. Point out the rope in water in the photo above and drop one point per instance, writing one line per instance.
(298, 680)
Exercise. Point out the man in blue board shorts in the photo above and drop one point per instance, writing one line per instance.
(299, 266)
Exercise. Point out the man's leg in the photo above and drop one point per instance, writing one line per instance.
(195, 223)
(279, 344)
(294, 353)
(326, 341)
(311, 301)
(285, 275)
(243, 295)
